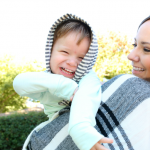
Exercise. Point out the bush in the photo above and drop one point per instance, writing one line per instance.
(112, 57)
(9, 99)
(15, 128)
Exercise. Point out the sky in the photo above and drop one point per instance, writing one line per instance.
(24, 24)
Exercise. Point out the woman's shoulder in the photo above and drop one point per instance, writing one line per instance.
(127, 82)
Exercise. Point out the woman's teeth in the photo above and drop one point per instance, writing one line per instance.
(138, 69)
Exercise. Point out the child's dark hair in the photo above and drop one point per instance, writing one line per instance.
(72, 26)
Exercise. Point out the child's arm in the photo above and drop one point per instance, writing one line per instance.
(83, 111)
(35, 84)
(49, 89)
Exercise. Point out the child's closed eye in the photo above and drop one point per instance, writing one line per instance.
(81, 58)
(65, 52)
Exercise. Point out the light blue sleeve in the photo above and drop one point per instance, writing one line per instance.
(35, 84)
(49, 89)
(83, 111)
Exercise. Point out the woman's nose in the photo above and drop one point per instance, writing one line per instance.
(134, 55)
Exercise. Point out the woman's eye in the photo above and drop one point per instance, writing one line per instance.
(134, 45)
(146, 50)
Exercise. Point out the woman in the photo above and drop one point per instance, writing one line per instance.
(125, 108)
(124, 113)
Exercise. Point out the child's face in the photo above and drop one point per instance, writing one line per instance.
(140, 55)
(67, 54)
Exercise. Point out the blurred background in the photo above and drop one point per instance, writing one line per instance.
(24, 24)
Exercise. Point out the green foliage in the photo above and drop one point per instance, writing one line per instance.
(9, 99)
(15, 128)
(112, 57)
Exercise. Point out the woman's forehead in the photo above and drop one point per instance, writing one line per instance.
(145, 25)
(144, 31)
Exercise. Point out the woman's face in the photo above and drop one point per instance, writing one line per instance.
(140, 55)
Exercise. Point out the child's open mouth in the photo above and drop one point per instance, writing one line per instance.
(67, 71)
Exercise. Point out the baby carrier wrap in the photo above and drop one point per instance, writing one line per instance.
(121, 99)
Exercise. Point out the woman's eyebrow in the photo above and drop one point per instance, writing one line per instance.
(145, 42)
(142, 42)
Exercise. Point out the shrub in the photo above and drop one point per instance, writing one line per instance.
(112, 57)
(9, 99)
(15, 128)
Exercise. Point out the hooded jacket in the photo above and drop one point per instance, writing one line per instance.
(51, 89)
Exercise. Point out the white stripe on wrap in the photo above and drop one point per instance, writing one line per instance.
(59, 137)
(114, 86)
(137, 122)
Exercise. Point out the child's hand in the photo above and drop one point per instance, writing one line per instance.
(71, 98)
(98, 145)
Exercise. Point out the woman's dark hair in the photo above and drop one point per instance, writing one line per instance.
(148, 18)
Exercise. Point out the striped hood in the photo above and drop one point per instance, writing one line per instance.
(88, 61)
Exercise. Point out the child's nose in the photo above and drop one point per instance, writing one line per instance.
(134, 55)
(72, 62)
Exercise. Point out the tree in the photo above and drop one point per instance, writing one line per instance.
(112, 56)
(9, 99)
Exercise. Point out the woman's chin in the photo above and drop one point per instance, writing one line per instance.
(137, 73)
